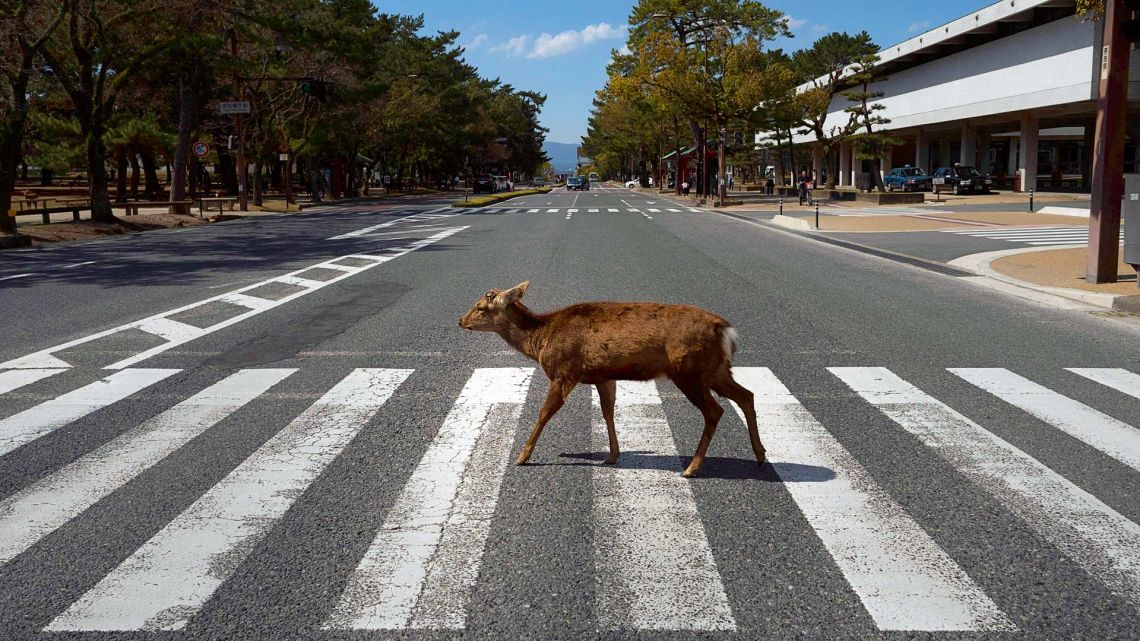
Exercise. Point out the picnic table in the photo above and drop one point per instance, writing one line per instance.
(223, 202)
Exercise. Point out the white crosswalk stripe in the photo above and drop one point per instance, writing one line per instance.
(40, 509)
(654, 565)
(421, 567)
(1103, 541)
(646, 528)
(169, 578)
(904, 579)
(1041, 236)
(45, 418)
(1115, 438)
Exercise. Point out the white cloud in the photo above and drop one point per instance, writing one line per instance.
(547, 46)
(820, 28)
(476, 42)
(915, 27)
(514, 47)
(794, 23)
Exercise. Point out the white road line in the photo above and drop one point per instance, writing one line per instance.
(23, 428)
(40, 509)
(905, 581)
(1115, 438)
(86, 262)
(552, 211)
(18, 378)
(18, 276)
(1120, 380)
(571, 211)
(612, 210)
(634, 210)
(675, 211)
(420, 569)
(654, 568)
(1102, 541)
(532, 211)
(46, 358)
(249, 302)
(170, 330)
(367, 230)
(655, 211)
(172, 575)
(593, 211)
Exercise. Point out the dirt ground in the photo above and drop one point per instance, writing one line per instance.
(1063, 268)
(86, 230)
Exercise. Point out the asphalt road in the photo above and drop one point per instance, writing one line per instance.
(321, 452)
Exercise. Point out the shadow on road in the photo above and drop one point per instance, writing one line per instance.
(714, 467)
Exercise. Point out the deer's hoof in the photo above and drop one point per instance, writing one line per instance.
(523, 458)
(689, 472)
(611, 460)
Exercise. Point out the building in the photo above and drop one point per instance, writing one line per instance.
(1011, 89)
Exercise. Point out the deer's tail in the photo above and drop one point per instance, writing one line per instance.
(729, 342)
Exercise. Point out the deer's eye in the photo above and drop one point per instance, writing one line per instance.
(490, 295)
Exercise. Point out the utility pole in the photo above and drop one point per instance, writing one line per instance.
(243, 201)
(1108, 145)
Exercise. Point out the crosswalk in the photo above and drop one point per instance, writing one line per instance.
(656, 566)
(1037, 236)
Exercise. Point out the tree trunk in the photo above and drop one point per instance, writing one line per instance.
(150, 175)
(257, 168)
(120, 175)
(722, 180)
(133, 158)
(193, 171)
(11, 140)
(101, 211)
(182, 149)
(287, 181)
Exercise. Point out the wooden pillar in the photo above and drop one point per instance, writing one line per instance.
(1108, 153)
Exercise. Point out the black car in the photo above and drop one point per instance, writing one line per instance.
(577, 183)
(963, 179)
(484, 185)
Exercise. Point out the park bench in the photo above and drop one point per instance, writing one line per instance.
(77, 205)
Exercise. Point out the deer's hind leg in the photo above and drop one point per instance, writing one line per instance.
(607, 394)
(555, 397)
(698, 394)
(727, 387)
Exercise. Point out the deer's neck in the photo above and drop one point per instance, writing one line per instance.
(523, 330)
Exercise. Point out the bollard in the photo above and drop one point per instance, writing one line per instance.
(817, 215)
(1031, 201)
(781, 205)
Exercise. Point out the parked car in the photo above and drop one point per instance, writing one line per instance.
(907, 179)
(594, 177)
(538, 181)
(484, 184)
(631, 184)
(577, 183)
(964, 179)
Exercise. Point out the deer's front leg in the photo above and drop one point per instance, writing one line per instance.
(557, 394)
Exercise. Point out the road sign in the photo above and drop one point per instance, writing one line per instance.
(200, 149)
(283, 157)
(235, 107)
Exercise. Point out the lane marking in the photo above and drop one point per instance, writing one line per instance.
(613, 210)
(17, 378)
(420, 570)
(1096, 537)
(654, 568)
(552, 211)
(593, 211)
(40, 509)
(1118, 379)
(18, 276)
(23, 428)
(167, 580)
(46, 358)
(423, 215)
(1115, 438)
(88, 262)
(904, 579)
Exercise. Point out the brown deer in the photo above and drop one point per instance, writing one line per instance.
(603, 342)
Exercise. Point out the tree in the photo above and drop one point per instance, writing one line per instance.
(866, 114)
(25, 26)
(824, 66)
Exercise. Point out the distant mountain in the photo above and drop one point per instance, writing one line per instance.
(562, 155)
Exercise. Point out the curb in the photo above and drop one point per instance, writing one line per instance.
(496, 200)
(791, 223)
(980, 264)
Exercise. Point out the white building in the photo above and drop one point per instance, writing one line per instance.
(1011, 89)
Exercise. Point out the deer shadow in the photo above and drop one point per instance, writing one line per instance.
(714, 467)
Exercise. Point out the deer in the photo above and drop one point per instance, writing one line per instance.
(600, 343)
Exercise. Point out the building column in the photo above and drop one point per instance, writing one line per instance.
(885, 163)
(816, 162)
(921, 151)
(1011, 164)
(1028, 155)
(984, 164)
(968, 148)
(845, 165)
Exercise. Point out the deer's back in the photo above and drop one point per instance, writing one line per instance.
(629, 341)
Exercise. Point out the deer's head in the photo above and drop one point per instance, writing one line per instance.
(488, 314)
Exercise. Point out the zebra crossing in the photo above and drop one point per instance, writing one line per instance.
(1038, 236)
(655, 564)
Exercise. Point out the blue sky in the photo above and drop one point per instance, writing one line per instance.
(561, 48)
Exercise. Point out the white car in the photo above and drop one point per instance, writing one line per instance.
(631, 184)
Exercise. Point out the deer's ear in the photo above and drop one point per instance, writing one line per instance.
(513, 294)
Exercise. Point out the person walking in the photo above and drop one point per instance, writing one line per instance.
(803, 187)
(731, 182)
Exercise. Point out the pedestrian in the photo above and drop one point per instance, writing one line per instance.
(803, 187)
(685, 188)
(731, 182)
(771, 185)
